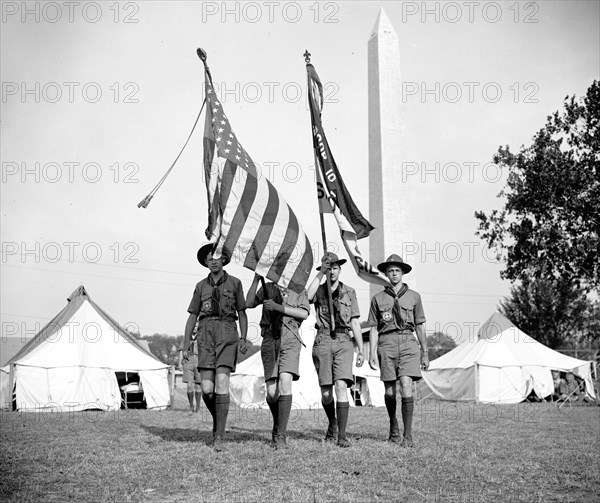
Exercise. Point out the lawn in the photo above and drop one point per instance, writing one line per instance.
(463, 453)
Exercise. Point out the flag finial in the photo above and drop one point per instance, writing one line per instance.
(306, 56)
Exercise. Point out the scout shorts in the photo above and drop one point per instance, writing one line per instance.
(281, 354)
(333, 358)
(217, 344)
(190, 369)
(399, 354)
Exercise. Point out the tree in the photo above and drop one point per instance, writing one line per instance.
(556, 313)
(550, 225)
(165, 347)
(439, 344)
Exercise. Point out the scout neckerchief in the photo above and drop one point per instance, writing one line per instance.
(216, 293)
(396, 296)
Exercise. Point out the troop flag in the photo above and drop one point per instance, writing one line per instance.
(332, 192)
(248, 217)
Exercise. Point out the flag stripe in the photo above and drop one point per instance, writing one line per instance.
(240, 219)
(265, 229)
(304, 266)
(287, 246)
(277, 236)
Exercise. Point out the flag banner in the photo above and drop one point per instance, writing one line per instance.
(248, 218)
(332, 193)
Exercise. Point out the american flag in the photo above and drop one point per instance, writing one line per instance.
(248, 218)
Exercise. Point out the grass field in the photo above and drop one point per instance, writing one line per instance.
(463, 453)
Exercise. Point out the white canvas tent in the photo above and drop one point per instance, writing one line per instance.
(70, 365)
(247, 384)
(503, 365)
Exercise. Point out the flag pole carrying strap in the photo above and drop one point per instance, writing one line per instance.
(146, 201)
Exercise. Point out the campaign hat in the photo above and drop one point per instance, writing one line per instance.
(203, 253)
(333, 259)
(394, 259)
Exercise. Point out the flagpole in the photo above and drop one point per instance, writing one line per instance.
(322, 221)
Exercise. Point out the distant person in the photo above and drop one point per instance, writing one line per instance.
(191, 374)
(395, 315)
(569, 390)
(557, 380)
(333, 350)
(283, 312)
(217, 303)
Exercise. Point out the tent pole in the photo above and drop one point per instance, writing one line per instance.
(172, 386)
(476, 383)
(11, 385)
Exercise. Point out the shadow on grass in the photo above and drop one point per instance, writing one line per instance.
(179, 434)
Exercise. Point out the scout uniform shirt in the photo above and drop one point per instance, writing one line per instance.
(391, 312)
(274, 321)
(345, 307)
(222, 299)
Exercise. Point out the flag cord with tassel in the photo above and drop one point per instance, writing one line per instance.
(146, 201)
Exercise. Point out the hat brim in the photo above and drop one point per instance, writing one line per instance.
(203, 253)
(402, 265)
(339, 262)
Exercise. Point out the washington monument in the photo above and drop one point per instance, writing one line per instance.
(388, 198)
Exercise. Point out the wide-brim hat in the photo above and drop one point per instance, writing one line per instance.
(394, 259)
(203, 253)
(334, 259)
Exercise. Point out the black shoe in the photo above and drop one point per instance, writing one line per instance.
(279, 442)
(217, 444)
(343, 442)
(331, 433)
(395, 437)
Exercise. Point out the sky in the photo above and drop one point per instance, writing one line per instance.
(98, 99)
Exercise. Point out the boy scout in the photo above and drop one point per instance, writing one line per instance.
(217, 303)
(395, 314)
(283, 312)
(333, 350)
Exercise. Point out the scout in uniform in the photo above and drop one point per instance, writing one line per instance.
(283, 312)
(333, 350)
(395, 315)
(191, 374)
(217, 303)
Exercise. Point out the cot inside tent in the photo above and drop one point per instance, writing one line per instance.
(502, 365)
(71, 364)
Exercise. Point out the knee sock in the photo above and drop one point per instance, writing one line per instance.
(285, 407)
(330, 411)
(390, 405)
(209, 401)
(198, 395)
(274, 406)
(222, 410)
(190, 395)
(342, 409)
(407, 416)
